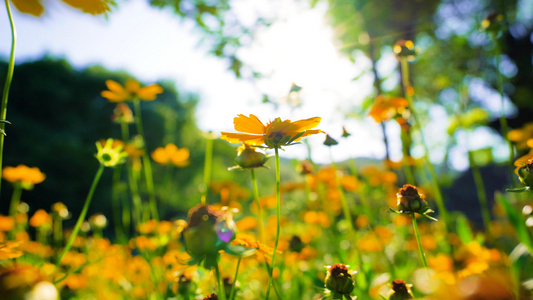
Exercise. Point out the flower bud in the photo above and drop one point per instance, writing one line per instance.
(525, 173)
(339, 280)
(248, 157)
(330, 141)
(410, 201)
(406, 49)
(400, 290)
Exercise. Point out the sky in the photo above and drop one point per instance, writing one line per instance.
(153, 44)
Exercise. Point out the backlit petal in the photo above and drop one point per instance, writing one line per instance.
(114, 97)
(114, 86)
(307, 123)
(251, 139)
(149, 92)
(32, 7)
(249, 124)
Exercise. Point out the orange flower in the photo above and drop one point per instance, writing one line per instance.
(130, 91)
(9, 249)
(275, 134)
(386, 108)
(40, 218)
(171, 154)
(27, 176)
(93, 7)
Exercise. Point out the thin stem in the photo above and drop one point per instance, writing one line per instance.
(15, 199)
(82, 214)
(434, 180)
(259, 209)
(345, 207)
(417, 235)
(278, 228)
(146, 162)
(9, 78)
(207, 168)
(482, 196)
(115, 201)
(221, 290)
(232, 293)
(503, 119)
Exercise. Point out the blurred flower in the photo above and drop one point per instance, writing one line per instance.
(122, 114)
(171, 154)
(345, 132)
(40, 218)
(305, 167)
(110, 154)
(522, 137)
(263, 252)
(330, 141)
(405, 48)
(387, 107)
(60, 209)
(400, 290)
(275, 134)
(7, 223)
(130, 91)
(248, 157)
(470, 119)
(98, 221)
(10, 249)
(339, 280)
(492, 23)
(211, 297)
(93, 7)
(26, 176)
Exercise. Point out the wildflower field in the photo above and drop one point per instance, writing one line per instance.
(111, 191)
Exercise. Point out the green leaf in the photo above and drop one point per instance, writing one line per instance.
(516, 220)
(518, 190)
(463, 230)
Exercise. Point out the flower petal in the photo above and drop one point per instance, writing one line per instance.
(150, 92)
(32, 7)
(251, 139)
(114, 86)
(307, 123)
(249, 124)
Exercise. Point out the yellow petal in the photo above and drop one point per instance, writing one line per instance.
(249, 124)
(307, 123)
(150, 92)
(93, 7)
(132, 86)
(114, 86)
(114, 97)
(251, 139)
(32, 7)
(160, 156)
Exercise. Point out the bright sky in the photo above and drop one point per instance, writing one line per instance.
(154, 44)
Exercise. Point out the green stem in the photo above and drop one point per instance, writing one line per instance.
(417, 235)
(15, 199)
(278, 228)
(503, 119)
(433, 175)
(207, 168)
(221, 290)
(232, 293)
(259, 210)
(482, 196)
(82, 214)
(9, 78)
(136, 198)
(149, 179)
(115, 201)
(345, 207)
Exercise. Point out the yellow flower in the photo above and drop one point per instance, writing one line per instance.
(386, 108)
(93, 7)
(130, 91)
(40, 218)
(275, 134)
(9, 249)
(23, 174)
(110, 153)
(171, 154)
(522, 137)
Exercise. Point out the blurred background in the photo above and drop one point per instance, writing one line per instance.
(288, 59)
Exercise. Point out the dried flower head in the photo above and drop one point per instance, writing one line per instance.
(410, 201)
(339, 280)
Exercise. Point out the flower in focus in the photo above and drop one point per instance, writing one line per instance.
(248, 157)
(171, 154)
(339, 280)
(24, 175)
(400, 290)
(130, 91)
(524, 170)
(387, 107)
(275, 134)
(410, 201)
(110, 153)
